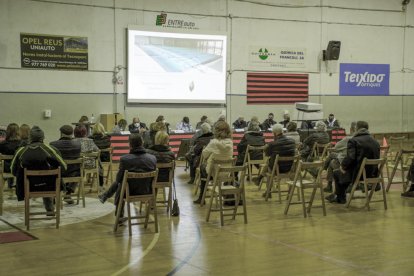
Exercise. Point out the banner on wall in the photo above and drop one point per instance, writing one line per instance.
(54, 52)
(173, 21)
(275, 88)
(279, 57)
(357, 79)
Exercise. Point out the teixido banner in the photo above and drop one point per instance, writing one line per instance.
(364, 79)
(54, 52)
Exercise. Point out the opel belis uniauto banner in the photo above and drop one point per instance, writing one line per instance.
(364, 79)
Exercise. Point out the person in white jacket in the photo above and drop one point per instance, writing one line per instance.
(219, 148)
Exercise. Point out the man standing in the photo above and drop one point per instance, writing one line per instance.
(69, 149)
(361, 145)
(36, 156)
(138, 160)
(137, 126)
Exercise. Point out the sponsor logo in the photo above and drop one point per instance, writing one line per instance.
(162, 20)
(364, 79)
(263, 54)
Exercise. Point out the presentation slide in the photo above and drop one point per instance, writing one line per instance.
(176, 67)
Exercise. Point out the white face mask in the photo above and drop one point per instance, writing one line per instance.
(136, 124)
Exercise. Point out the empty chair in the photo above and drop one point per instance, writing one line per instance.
(401, 163)
(301, 183)
(225, 188)
(274, 177)
(370, 183)
(130, 184)
(48, 188)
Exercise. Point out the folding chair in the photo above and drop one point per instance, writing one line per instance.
(395, 146)
(274, 177)
(91, 174)
(224, 186)
(108, 165)
(251, 162)
(198, 178)
(372, 181)
(128, 198)
(52, 192)
(320, 151)
(299, 182)
(216, 162)
(4, 177)
(165, 184)
(402, 163)
(76, 179)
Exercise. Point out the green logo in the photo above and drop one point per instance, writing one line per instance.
(161, 19)
(263, 55)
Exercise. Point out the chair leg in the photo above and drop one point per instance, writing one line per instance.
(291, 191)
(351, 195)
(269, 186)
(302, 194)
(147, 211)
(210, 205)
(27, 212)
(129, 218)
(311, 199)
(57, 207)
(169, 205)
(1, 195)
(118, 213)
(323, 199)
(244, 206)
(384, 195)
(221, 209)
(369, 195)
(155, 216)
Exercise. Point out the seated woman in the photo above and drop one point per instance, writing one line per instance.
(162, 152)
(292, 132)
(120, 126)
(185, 125)
(24, 135)
(221, 147)
(101, 140)
(88, 146)
(149, 136)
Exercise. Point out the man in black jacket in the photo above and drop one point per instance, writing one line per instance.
(138, 160)
(240, 123)
(268, 123)
(36, 156)
(137, 126)
(361, 145)
(282, 146)
(253, 137)
(70, 149)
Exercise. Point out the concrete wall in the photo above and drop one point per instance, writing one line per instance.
(371, 31)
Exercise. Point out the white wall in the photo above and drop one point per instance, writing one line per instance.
(371, 31)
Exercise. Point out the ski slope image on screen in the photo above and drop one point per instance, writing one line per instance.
(176, 67)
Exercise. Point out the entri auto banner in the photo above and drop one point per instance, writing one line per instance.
(364, 79)
(54, 52)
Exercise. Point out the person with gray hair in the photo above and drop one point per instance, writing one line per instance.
(194, 154)
(320, 137)
(282, 146)
(253, 137)
(239, 123)
(335, 158)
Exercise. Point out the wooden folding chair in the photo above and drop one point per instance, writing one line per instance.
(128, 198)
(4, 177)
(251, 162)
(369, 182)
(216, 162)
(320, 151)
(274, 177)
(76, 179)
(402, 163)
(163, 185)
(108, 166)
(301, 183)
(91, 174)
(198, 178)
(224, 189)
(33, 193)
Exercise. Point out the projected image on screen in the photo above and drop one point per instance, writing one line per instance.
(176, 67)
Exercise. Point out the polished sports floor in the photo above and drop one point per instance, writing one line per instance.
(350, 241)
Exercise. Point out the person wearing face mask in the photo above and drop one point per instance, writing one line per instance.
(137, 126)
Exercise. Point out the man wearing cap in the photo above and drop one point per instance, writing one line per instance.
(69, 149)
(36, 156)
(268, 123)
(331, 122)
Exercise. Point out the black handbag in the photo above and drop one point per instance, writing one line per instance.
(175, 211)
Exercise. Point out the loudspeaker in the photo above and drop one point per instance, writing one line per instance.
(332, 51)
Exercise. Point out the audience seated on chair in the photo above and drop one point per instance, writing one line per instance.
(70, 149)
(36, 156)
(221, 147)
(24, 134)
(101, 140)
(203, 119)
(9, 146)
(194, 154)
(292, 132)
(336, 157)
(282, 146)
(361, 145)
(162, 153)
(149, 136)
(252, 137)
(138, 160)
(320, 137)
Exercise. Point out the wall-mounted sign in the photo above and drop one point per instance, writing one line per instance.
(279, 57)
(54, 52)
(168, 21)
(364, 79)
